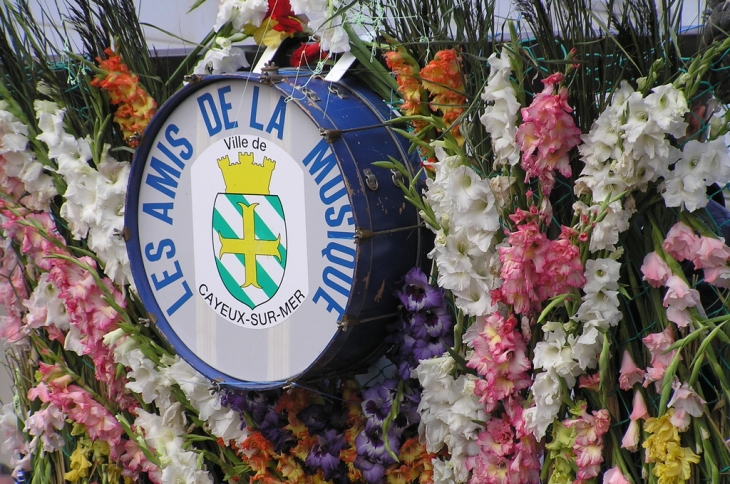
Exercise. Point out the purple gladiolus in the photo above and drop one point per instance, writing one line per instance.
(417, 294)
(373, 472)
(325, 453)
(372, 445)
(377, 402)
(424, 350)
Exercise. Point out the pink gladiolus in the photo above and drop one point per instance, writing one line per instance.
(679, 294)
(630, 373)
(686, 402)
(630, 441)
(639, 411)
(710, 252)
(40, 392)
(11, 328)
(500, 356)
(681, 242)
(614, 476)
(498, 437)
(135, 461)
(13, 186)
(546, 135)
(535, 268)
(588, 446)
(718, 276)
(655, 270)
(45, 423)
(590, 382)
(678, 298)
(658, 344)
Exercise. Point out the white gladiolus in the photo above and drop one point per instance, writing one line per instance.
(466, 208)
(20, 162)
(45, 299)
(94, 206)
(443, 471)
(13, 445)
(241, 12)
(448, 411)
(221, 58)
(548, 394)
(163, 433)
(500, 115)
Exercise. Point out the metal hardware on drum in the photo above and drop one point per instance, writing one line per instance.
(193, 78)
(333, 89)
(335, 134)
(330, 135)
(370, 179)
(397, 177)
(270, 74)
(136, 137)
(350, 321)
(311, 95)
(363, 234)
(125, 233)
(289, 385)
(347, 321)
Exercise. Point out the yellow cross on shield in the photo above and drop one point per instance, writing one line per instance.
(249, 242)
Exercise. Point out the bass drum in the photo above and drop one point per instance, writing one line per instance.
(264, 244)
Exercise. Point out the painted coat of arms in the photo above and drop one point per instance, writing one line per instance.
(249, 230)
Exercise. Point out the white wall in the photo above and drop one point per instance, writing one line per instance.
(168, 15)
(172, 16)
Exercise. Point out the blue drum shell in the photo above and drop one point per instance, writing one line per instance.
(399, 241)
(391, 236)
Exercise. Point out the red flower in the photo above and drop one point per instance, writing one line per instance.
(286, 21)
(307, 54)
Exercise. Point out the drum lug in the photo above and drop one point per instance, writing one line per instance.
(330, 135)
(271, 74)
(334, 90)
(150, 320)
(370, 179)
(193, 78)
(125, 234)
(362, 234)
(347, 321)
(289, 385)
(397, 177)
(311, 95)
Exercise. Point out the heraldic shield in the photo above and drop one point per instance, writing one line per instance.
(249, 240)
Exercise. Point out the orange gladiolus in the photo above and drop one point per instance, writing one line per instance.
(135, 107)
(443, 80)
(407, 76)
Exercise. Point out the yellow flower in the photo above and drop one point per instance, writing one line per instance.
(663, 447)
(675, 468)
(114, 472)
(79, 463)
(662, 432)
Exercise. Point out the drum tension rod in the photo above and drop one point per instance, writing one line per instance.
(362, 234)
(349, 321)
(332, 135)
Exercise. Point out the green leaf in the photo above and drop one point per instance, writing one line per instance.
(196, 4)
